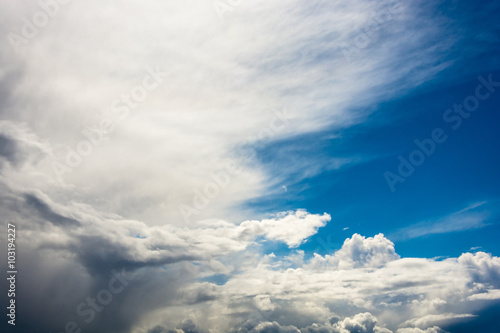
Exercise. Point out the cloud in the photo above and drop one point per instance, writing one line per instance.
(418, 330)
(359, 323)
(430, 320)
(292, 229)
(490, 295)
(186, 326)
(274, 327)
(19, 146)
(358, 251)
(472, 217)
(239, 80)
(365, 284)
(363, 287)
(483, 267)
(413, 288)
(119, 207)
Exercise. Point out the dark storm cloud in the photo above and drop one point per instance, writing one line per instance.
(46, 213)
(99, 254)
(9, 78)
(76, 249)
(8, 149)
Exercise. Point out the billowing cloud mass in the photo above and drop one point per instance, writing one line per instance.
(214, 276)
(130, 135)
(173, 94)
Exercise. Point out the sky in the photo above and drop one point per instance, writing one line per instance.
(250, 166)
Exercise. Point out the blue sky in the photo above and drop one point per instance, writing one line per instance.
(462, 171)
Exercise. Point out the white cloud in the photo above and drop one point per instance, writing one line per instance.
(365, 275)
(432, 319)
(225, 79)
(483, 267)
(418, 330)
(365, 283)
(358, 251)
(471, 217)
(490, 295)
(292, 229)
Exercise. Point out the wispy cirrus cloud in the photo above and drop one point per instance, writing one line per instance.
(474, 216)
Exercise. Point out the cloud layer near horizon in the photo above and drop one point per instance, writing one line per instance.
(215, 276)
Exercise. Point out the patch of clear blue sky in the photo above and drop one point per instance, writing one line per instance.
(464, 170)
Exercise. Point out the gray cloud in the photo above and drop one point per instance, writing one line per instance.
(46, 213)
(8, 149)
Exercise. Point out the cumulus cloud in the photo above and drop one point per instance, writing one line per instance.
(418, 330)
(483, 267)
(216, 272)
(292, 229)
(363, 287)
(359, 251)
(419, 293)
(274, 327)
(361, 322)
